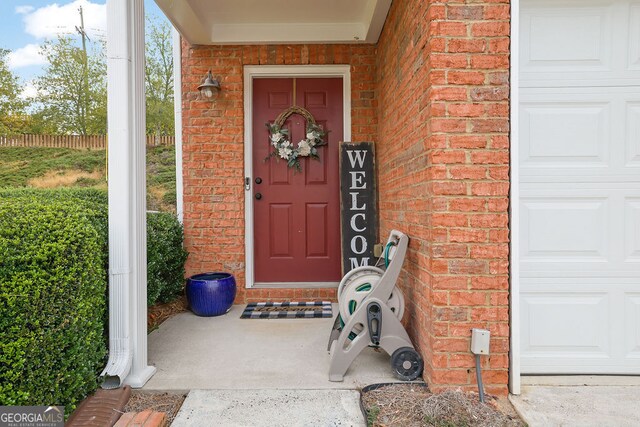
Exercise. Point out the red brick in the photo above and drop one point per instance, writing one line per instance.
(490, 251)
(481, 61)
(490, 125)
(491, 93)
(467, 235)
(449, 93)
(468, 298)
(467, 266)
(467, 141)
(465, 110)
(449, 220)
(468, 172)
(468, 205)
(449, 188)
(458, 13)
(490, 29)
(490, 189)
(448, 157)
(466, 45)
(497, 12)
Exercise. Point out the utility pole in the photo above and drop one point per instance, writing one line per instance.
(85, 71)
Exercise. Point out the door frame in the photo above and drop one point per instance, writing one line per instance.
(285, 71)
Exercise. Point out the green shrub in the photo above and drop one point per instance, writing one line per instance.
(53, 276)
(165, 258)
(165, 254)
(52, 299)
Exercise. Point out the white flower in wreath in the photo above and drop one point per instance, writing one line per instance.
(304, 148)
(276, 137)
(285, 153)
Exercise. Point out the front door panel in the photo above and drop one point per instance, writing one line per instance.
(296, 218)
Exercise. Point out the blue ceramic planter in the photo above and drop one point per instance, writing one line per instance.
(211, 294)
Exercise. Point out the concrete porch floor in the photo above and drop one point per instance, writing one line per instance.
(229, 353)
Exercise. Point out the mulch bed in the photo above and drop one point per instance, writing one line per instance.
(161, 312)
(169, 403)
(410, 405)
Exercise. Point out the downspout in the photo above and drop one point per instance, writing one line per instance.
(119, 89)
(177, 108)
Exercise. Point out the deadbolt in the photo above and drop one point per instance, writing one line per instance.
(258, 180)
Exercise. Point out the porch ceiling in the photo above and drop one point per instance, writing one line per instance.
(277, 21)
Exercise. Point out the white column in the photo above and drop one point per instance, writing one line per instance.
(127, 196)
(177, 107)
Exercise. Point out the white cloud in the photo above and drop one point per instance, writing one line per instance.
(25, 56)
(29, 91)
(52, 20)
(23, 10)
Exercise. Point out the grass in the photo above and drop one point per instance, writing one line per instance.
(63, 167)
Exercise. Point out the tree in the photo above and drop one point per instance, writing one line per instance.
(159, 78)
(72, 93)
(12, 114)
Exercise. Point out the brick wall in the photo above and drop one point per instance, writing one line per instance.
(442, 86)
(433, 95)
(213, 150)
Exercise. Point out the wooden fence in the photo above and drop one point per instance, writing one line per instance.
(79, 142)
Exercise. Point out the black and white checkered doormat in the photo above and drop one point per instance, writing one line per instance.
(287, 310)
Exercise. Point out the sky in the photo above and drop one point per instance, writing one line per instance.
(26, 24)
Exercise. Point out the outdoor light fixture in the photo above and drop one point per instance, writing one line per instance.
(209, 87)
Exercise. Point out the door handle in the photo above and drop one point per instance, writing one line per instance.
(258, 196)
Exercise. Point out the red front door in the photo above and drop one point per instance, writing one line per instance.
(297, 218)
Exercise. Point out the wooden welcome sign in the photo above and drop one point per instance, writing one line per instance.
(359, 204)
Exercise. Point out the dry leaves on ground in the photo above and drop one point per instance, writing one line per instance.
(161, 312)
(169, 403)
(410, 405)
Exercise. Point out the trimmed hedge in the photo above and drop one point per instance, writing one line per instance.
(53, 280)
(165, 258)
(165, 254)
(52, 302)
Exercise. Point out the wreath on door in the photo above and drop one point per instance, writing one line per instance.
(283, 148)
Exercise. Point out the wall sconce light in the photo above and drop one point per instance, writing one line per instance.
(209, 86)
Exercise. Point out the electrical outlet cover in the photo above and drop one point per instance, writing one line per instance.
(480, 341)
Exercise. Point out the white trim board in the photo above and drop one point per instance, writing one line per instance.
(257, 71)
(514, 197)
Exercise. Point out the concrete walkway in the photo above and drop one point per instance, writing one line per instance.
(258, 372)
(271, 408)
(229, 353)
(579, 401)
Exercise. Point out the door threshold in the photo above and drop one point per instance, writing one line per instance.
(294, 285)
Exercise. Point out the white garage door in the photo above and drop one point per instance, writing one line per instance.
(579, 166)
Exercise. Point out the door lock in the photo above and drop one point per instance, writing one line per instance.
(258, 196)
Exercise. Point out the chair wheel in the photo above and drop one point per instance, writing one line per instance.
(406, 363)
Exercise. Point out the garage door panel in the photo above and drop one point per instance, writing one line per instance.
(632, 325)
(632, 230)
(566, 39)
(569, 323)
(579, 43)
(632, 139)
(575, 134)
(561, 230)
(580, 131)
(634, 38)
